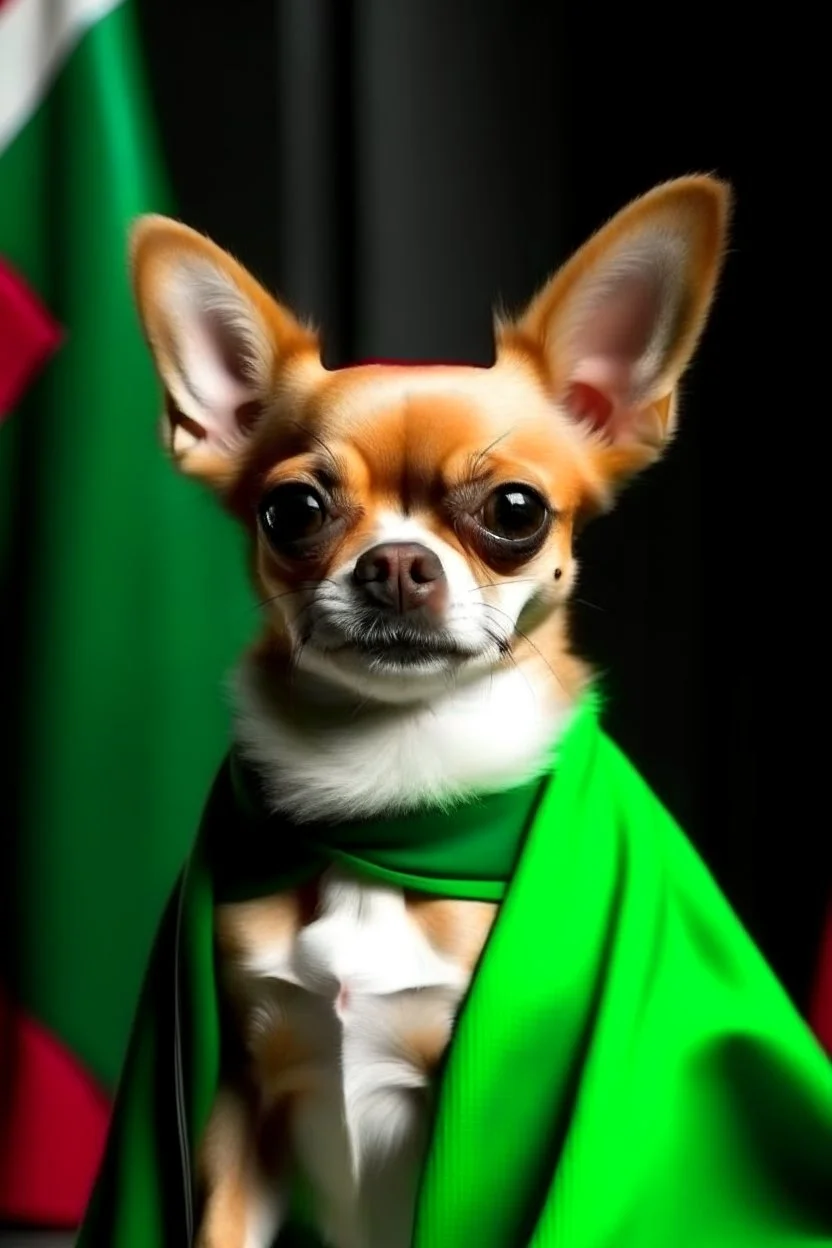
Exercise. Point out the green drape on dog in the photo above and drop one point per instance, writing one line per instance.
(626, 1070)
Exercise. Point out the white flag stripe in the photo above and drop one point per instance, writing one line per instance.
(36, 37)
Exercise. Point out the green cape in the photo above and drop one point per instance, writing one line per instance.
(626, 1071)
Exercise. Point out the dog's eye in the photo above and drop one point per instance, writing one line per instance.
(515, 513)
(293, 515)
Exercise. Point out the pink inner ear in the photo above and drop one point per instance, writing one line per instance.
(610, 347)
(622, 321)
(583, 402)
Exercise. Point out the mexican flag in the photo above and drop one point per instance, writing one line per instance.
(123, 598)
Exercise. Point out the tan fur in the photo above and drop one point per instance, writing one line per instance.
(282, 1066)
(459, 929)
(228, 1172)
(425, 1046)
(248, 924)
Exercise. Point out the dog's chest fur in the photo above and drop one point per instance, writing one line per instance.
(346, 998)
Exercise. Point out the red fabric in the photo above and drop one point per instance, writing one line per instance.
(53, 1122)
(28, 336)
(821, 1012)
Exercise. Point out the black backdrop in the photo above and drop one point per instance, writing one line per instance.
(394, 167)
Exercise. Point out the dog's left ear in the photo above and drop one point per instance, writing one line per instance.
(617, 326)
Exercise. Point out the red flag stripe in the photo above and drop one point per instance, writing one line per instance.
(28, 337)
(53, 1123)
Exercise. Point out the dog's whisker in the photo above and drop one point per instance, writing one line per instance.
(515, 580)
(304, 587)
(525, 637)
(318, 598)
(508, 656)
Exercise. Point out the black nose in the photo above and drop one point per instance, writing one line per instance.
(402, 576)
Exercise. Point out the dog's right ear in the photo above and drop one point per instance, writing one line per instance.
(219, 342)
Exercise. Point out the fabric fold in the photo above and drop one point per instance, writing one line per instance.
(626, 1070)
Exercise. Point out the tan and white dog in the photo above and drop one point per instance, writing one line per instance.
(411, 533)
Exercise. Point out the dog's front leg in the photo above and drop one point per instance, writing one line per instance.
(244, 1198)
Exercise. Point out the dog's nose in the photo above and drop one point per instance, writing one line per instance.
(402, 576)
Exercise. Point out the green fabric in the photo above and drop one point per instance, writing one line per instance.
(626, 1070)
(115, 576)
(412, 850)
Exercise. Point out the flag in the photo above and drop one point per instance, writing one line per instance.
(123, 591)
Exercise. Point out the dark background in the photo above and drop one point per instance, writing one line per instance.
(395, 167)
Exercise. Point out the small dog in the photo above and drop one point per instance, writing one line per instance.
(411, 533)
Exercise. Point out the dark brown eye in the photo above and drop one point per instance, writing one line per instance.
(293, 516)
(515, 514)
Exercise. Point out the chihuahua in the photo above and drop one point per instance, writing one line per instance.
(411, 540)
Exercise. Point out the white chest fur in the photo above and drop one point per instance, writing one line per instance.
(328, 767)
(345, 1019)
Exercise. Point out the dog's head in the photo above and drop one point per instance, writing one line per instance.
(409, 523)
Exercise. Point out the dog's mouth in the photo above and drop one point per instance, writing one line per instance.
(409, 653)
(403, 653)
(364, 645)
(383, 647)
